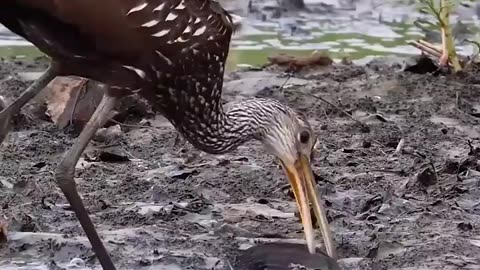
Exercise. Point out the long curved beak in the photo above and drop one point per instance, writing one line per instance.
(301, 179)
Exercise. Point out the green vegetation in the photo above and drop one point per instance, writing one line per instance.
(441, 10)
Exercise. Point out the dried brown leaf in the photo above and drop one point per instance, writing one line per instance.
(71, 100)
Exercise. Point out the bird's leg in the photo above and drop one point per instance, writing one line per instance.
(12, 109)
(65, 173)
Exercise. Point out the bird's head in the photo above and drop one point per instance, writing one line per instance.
(289, 137)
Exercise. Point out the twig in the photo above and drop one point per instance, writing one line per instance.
(380, 149)
(430, 45)
(400, 145)
(82, 86)
(285, 82)
(335, 106)
(426, 49)
(130, 125)
(230, 265)
(433, 168)
(457, 99)
(326, 115)
(178, 143)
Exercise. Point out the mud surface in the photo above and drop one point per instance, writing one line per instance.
(173, 208)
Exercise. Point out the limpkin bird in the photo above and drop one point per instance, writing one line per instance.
(172, 53)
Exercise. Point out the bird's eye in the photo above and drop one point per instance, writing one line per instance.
(304, 136)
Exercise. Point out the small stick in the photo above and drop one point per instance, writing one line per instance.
(457, 100)
(230, 265)
(426, 49)
(82, 86)
(430, 45)
(284, 83)
(335, 106)
(130, 125)
(400, 145)
(432, 50)
(263, 240)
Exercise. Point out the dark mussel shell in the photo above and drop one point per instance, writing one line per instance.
(283, 256)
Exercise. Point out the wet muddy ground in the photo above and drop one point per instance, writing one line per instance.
(410, 207)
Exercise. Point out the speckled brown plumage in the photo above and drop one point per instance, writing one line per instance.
(173, 53)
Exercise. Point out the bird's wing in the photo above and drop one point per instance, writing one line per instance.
(184, 36)
(179, 45)
(122, 28)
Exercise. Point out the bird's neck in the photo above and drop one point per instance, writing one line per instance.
(220, 130)
(225, 128)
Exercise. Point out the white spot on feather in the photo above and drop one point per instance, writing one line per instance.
(139, 72)
(169, 62)
(137, 8)
(181, 39)
(201, 100)
(187, 30)
(160, 7)
(161, 33)
(171, 17)
(180, 6)
(151, 23)
(200, 31)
